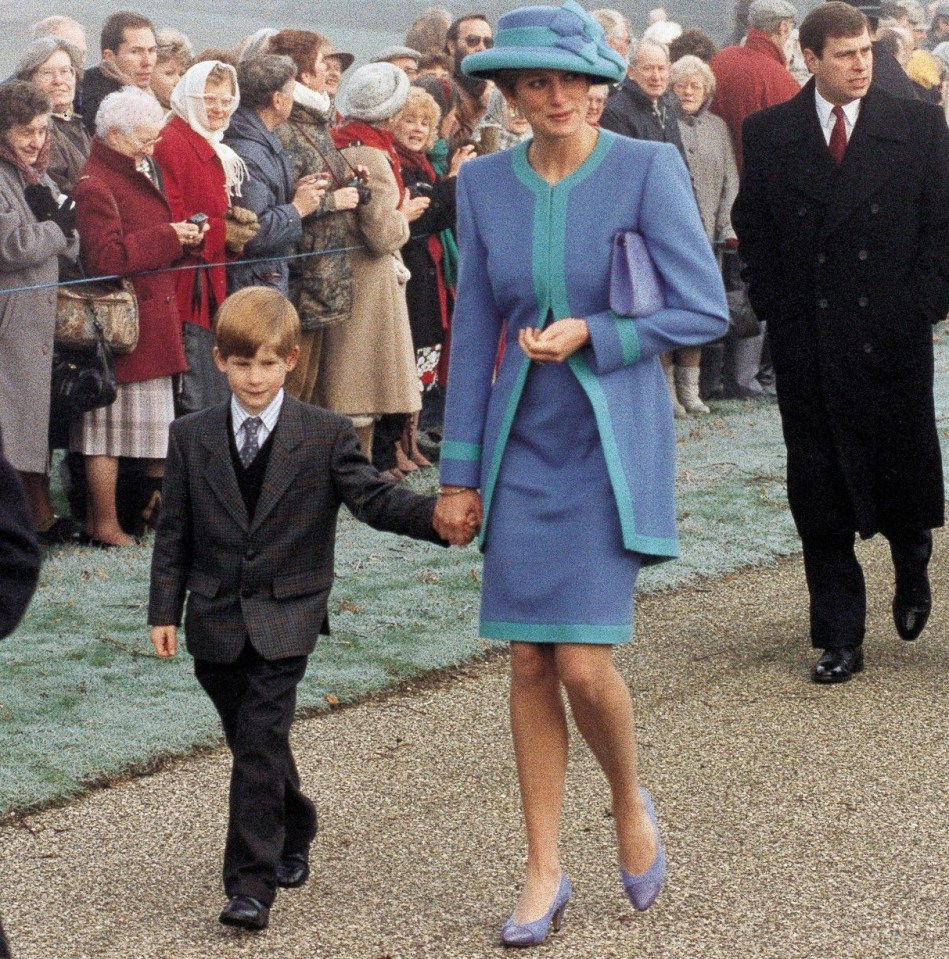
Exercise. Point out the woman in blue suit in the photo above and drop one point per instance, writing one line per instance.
(566, 455)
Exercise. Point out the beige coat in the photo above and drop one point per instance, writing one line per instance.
(368, 362)
(28, 257)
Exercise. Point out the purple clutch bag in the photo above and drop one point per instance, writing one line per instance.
(635, 289)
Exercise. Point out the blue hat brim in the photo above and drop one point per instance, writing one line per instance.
(485, 63)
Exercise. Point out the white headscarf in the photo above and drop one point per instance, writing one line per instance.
(187, 102)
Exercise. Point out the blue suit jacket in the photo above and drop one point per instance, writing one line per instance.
(530, 251)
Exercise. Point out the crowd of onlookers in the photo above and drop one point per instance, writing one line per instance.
(196, 173)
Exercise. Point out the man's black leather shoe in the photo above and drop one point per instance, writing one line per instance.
(245, 913)
(293, 872)
(911, 607)
(839, 665)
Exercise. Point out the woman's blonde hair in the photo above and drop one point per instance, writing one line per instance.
(688, 66)
(253, 317)
(420, 101)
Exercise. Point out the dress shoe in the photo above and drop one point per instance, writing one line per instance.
(525, 934)
(912, 605)
(293, 871)
(245, 913)
(642, 890)
(839, 665)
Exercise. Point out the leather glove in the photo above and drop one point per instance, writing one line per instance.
(240, 227)
(65, 216)
(39, 199)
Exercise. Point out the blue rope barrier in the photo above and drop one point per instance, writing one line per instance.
(179, 269)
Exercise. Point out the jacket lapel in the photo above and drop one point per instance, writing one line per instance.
(810, 169)
(874, 155)
(220, 470)
(284, 465)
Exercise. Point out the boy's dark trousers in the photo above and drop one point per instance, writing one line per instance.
(270, 818)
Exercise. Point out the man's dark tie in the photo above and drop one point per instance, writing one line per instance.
(659, 113)
(838, 136)
(251, 447)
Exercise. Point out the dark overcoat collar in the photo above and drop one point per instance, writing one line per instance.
(873, 156)
(281, 470)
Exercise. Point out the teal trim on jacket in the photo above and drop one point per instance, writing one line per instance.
(623, 185)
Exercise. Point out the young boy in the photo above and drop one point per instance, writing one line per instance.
(247, 528)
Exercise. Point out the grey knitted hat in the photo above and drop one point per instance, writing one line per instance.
(374, 92)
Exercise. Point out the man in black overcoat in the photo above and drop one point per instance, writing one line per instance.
(849, 266)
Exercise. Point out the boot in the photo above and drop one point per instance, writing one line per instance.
(678, 410)
(687, 386)
(410, 442)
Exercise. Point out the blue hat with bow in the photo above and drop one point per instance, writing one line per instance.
(548, 38)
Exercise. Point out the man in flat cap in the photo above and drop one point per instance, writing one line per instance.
(405, 58)
(843, 221)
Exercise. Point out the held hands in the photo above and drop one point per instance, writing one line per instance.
(240, 227)
(414, 206)
(165, 640)
(556, 342)
(190, 235)
(458, 515)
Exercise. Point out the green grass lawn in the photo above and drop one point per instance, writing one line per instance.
(82, 698)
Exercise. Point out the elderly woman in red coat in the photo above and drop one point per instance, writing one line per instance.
(202, 174)
(125, 228)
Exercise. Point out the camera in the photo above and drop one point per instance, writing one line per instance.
(197, 219)
(420, 189)
(363, 189)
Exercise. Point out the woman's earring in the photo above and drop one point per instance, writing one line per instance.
(515, 113)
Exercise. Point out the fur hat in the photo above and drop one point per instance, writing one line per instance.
(374, 92)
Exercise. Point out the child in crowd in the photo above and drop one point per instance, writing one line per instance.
(252, 491)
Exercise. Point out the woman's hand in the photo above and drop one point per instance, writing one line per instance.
(556, 342)
(309, 193)
(458, 515)
(414, 206)
(190, 235)
(461, 155)
(345, 198)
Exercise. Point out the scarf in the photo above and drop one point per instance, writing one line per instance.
(439, 159)
(32, 173)
(187, 102)
(360, 133)
(110, 70)
(318, 103)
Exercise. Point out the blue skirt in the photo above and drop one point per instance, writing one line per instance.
(555, 568)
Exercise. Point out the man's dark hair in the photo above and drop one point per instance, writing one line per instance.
(830, 20)
(693, 41)
(113, 30)
(452, 33)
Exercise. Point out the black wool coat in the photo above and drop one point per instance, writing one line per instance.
(421, 292)
(850, 269)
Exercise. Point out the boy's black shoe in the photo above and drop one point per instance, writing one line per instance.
(245, 913)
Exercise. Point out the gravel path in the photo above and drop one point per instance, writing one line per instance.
(800, 821)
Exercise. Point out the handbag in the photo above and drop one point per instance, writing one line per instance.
(83, 379)
(635, 288)
(111, 305)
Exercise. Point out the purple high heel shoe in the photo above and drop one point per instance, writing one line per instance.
(642, 890)
(534, 933)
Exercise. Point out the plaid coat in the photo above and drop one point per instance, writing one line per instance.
(267, 579)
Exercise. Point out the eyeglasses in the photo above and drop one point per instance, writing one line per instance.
(473, 40)
(688, 85)
(52, 73)
(213, 101)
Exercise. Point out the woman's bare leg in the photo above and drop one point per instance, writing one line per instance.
(102, 519)
(603, 711)
(539, 729)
